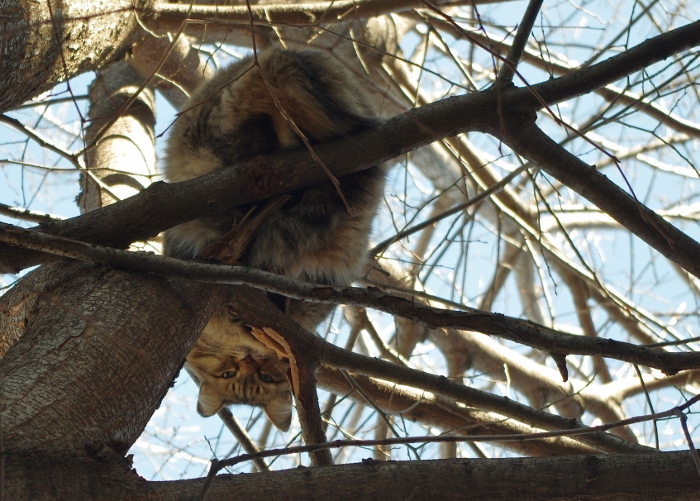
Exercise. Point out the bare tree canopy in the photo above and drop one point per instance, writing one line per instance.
(526, 325)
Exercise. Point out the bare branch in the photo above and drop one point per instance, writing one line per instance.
(237, 430)
(519, 42)
(443, 413)
(26, 214)
(630, 61)
(517, 330)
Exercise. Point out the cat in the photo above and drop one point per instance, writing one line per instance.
(231, 366)
(312, 237)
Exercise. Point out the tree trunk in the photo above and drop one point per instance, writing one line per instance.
(90, 351)
(100, 349)
(45, 43)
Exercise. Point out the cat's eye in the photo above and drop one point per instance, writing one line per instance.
(228, 374)
(265, 378)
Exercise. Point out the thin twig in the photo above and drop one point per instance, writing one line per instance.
(45, 143)
(242, 436)
(495, 188)
(41, 140)
(385, 351)
(684, 424)
(651, 406)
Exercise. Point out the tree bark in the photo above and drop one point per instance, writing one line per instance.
(45, 43)
(663, 477)
(123, 160)
(100, 349)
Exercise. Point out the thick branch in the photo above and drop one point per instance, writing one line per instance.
(587, 181)
(169, 16)
(254, 309)
(663, 477)
(296, 13)
(161, 205)
(520, 331)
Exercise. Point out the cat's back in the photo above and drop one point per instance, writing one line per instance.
(251, 108)
(194, 144)
(280, 100)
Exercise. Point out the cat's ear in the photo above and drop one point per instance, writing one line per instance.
(192, 372)
(209, 401)
(279, 411)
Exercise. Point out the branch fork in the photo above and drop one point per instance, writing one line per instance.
(271, 327)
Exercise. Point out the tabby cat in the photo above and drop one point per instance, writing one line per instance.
(312, 237)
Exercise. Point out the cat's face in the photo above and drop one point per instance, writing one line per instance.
(230, 366)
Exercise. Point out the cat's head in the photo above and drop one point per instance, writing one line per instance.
(230, 366)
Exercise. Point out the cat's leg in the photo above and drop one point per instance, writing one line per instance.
(188, 240)
(316, 238)
(308, 315)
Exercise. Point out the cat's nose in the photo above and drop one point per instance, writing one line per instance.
(248, 365)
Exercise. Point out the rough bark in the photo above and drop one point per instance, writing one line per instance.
(44, 43)
(662, 477)
(100, 349)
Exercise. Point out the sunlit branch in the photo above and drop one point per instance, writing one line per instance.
(26, 214)
(304, 14)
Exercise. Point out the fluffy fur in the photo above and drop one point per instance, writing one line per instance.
(312, 237)
(231, 366)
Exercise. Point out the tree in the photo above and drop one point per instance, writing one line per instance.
(530, 290)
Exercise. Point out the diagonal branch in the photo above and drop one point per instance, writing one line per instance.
(520, 331)
(162, 206)
(255, 309)
(442, 413)
(586, 180)
(617, 67)
(242, 436)
(521, 37)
